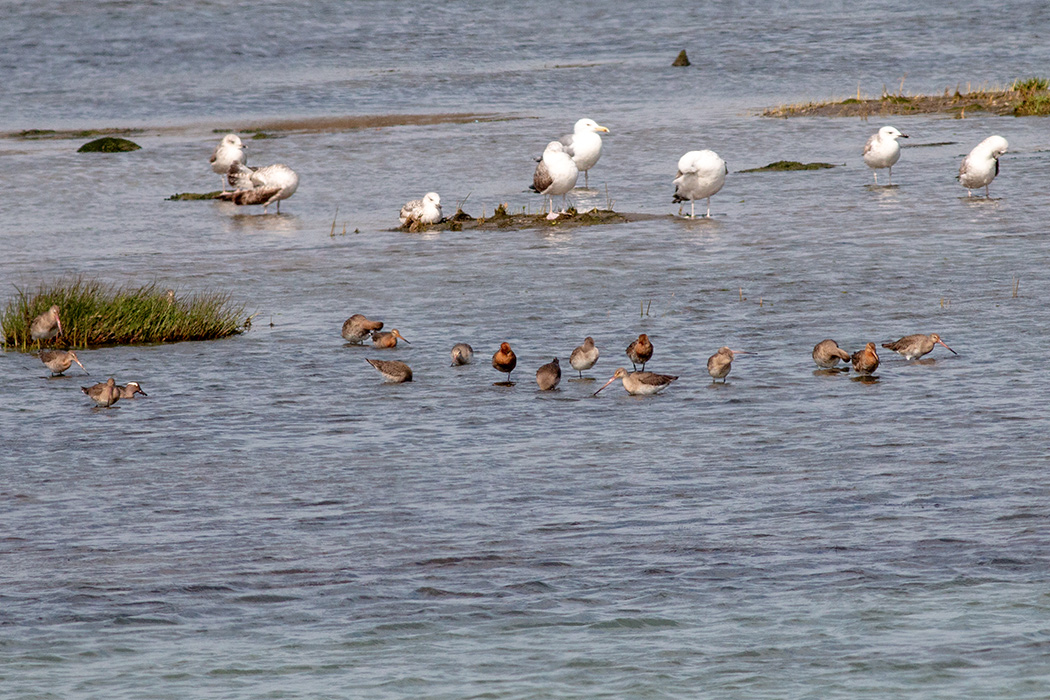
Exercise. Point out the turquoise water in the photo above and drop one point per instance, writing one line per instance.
(274, 521)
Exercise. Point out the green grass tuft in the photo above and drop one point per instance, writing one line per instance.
(788, 166)
(1029, 85)
(94, 314)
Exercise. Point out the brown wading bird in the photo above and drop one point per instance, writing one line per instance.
(640, 351)
(866, 361)
(462, 354)
(104, 395)
(640, 383)
(129, 390)
(504, 360)
(46, 326)
(827, 354)
(357, 328)
(387, 339)
(58, 361)
(548, 376)
(392, 370)
(915, 346)
(584, 356)
(721, 363)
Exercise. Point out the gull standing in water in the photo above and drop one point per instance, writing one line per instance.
(229, 151)
(915, 346)
(358, 328)
(548, 375)
(640, 383)
(265, 186)
(555, 174)
(882, 151)
(584, 356)
(46, 326)
(584, 145)
(422, 211)
(980, 167)
(827, 354)
(701, 174)
(58, 361)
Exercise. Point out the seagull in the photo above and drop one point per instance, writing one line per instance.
(584, 145)
(982, 165)
(264, 186)
(882, 151)
(555, 174)
(229, 151)
(700, 175)
(424, 211)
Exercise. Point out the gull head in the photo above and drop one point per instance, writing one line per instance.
(585, 126)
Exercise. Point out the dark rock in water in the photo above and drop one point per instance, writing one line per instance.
(192, 196)
(682, 59)
(787, 166)
(109, 144)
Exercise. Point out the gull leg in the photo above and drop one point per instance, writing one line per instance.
(692, 209)
(890, 176)
(708, 207)
(876, 172)
(586, 179)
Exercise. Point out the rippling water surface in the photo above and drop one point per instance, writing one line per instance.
(274, 521)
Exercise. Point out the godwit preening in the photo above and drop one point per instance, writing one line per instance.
(229, 151)
(392, 370)
(640, 383)
(58, 361)
(548, 375)
(882, 151)
(104, 395)
(827, 354)
(387, 339)
(721, 363)
(640, 351)
(701, 174)
(584, 145)
(504, 360)
(462, 354)
(915, 346)
(866, 361)
(46, 326)
(980, 167)
(357, 328)
(584, 356)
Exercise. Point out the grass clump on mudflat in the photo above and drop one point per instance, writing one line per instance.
(94, 313)
(109, 144)
(783, 166)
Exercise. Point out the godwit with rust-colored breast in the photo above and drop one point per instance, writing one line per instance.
(462, 354)
(392, 370)
(866, 361)
(640, 351)
(46, 326)
(584, 356)
(505, 360)
(827, 354)
(358, 328)
(58, 361)
(105, 395)
(915, 346)
(387, 339)
(640, 383)
(548, 376)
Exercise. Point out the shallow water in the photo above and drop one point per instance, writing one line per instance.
(275, 521)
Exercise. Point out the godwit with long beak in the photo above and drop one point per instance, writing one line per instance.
(462, 354)
(866, 361)
(584, 356)
(915, 346)
(640, 383)
(46, 326)
(105, 395)
(392, 370)
(505, 360)
(640, 351)
(548, 375)
(387, 339)
(721, 363)
(827, 354)
(358, 328)
(58, 361)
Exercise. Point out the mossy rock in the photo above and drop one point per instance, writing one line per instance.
(109, 144)
(682, 60)
(788, 166)
(193, 196)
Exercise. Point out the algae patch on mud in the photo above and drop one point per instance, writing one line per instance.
(109, 144)
(192, 196)
(782, 166)
(502, 219)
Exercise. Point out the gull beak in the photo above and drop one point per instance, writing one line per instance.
(602, 128)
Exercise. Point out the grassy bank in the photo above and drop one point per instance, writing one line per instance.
(1022, 98)
(94, 313)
